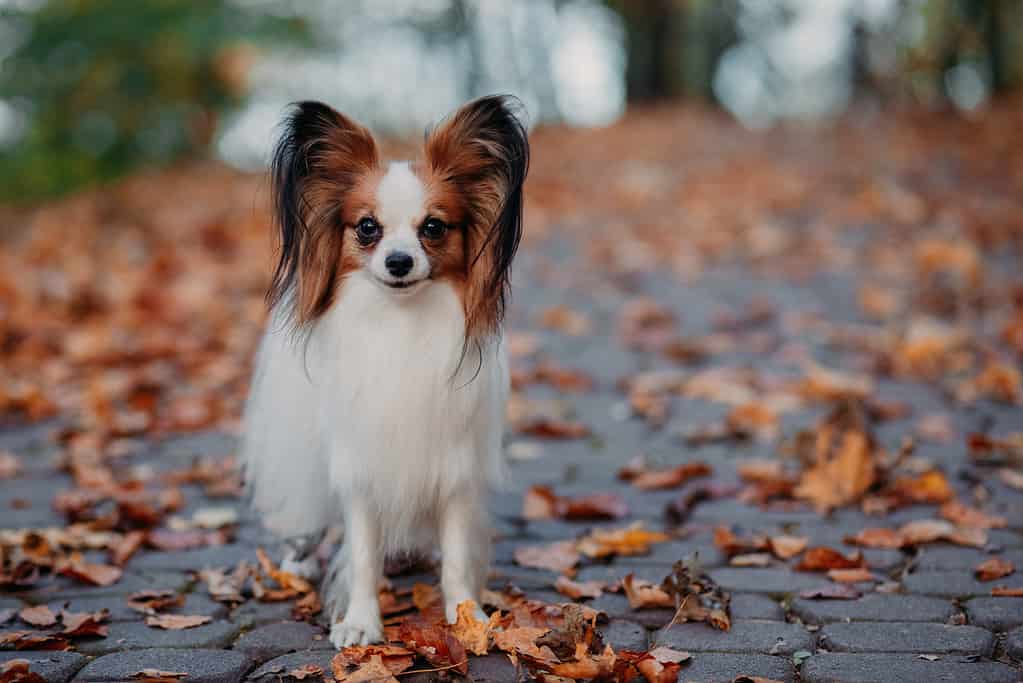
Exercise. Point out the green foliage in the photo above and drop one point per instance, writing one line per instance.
(104, 86)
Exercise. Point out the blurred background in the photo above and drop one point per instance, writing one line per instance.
(91, 89)
(793, 139)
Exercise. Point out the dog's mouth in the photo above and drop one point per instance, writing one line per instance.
(403, 286)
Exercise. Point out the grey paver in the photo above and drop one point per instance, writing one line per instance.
(765, 637)
(130, 582)
(955, 584)
(624, 635)
(1014, 643)
(254, 613)
(128, 635)
(617, 606)
(55, 667)
(716, 667)
(875, 607)
(886, 668)
(201, 665)
(198, 558)
(273, 640)
(755, 606)
(945, 557)
(492, 668)
(919, 637)
(194, 604)
(996, 614)
(771, 581)
(276, 669)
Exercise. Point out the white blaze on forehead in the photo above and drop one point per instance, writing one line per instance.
(400, 197)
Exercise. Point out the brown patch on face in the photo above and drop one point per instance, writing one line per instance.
(325, 171)
(474, 169)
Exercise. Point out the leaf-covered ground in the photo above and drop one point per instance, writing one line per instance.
(767, 421)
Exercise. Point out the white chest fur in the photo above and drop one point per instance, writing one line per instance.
(378, 402)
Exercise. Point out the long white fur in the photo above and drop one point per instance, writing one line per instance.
(375, 420)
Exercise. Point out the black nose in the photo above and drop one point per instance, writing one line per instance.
(398, 263)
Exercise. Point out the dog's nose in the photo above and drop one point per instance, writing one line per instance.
(398, 263)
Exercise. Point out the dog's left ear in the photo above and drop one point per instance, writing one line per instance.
(481, 154)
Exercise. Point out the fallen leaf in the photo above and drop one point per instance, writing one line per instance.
(673, 477)
(1007, 592)
(520, 640)
(631, 540)
(540, 502)
(84, 624)
(578, 589)
(643, 594)
(40, 615)
(1011, 478)
(388, 661)
(10, 466)
(177, 622)
(966, 516)
(425, 596)
(851, 575)
(560, 556)
(153, 600)
(877, 537)
(787, 547)
(19, 671)
(565, 320)
(751, 560)
(88, 572)
(305, 671)
(472, 633)
(822, 559)
(994, 568)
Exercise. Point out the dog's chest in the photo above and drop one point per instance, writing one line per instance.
(395, 389)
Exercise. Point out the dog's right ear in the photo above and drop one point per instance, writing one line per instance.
(319, 161)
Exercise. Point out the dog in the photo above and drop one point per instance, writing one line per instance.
(377, 400)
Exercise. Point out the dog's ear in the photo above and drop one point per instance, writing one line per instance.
(481, 154)
(320, 159)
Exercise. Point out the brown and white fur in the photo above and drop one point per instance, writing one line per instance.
(379, 390)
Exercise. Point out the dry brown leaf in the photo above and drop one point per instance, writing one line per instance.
(40, 615)
(176, 622)
(19, 671)
(10, 466)
(642, 594)
(834, 591)
(88, 572)
(751, 560)
(305, 671)
(993, 569)
(520, 640)
(822, 559)
(425, 596)
(473, 634)
(560, 556)
(787, 547)
(1011, 478)
(965, 516)
(631, 540)
(158, 676)
(84, 624)
(1007, 591)
(565, 320)
(851, 575)
(673, 477)
(383, 660)
(877, 538)
(578, 589)
(843, 478)
(540, 502)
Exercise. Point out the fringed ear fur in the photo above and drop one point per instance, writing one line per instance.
(481, 154)
(319, 162)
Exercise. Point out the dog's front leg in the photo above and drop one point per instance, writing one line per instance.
(362, 567)
(465, 550)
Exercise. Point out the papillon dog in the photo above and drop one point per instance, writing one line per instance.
(377, 401)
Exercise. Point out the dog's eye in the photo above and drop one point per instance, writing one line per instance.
(433, 228)
(367, 230)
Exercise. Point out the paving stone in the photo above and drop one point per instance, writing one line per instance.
(955, 584)
(128, 635)
(276, 669)
(273, 640)
(54, 667)
(726, 511)
(885, 668)
(612, 572)
(492, 668)
(617, 606)
(624, 635)
(754, 606)
(995, 614)
(254, 613)
(716, 667)
(919, 637)
(194, 604)
(771, 581)
(945, 557)
(66, 589)
(747, 635)
(874, 607)
(671, 552)
(10, 603)
(1014, 644)
(199, 558)
(201, 665)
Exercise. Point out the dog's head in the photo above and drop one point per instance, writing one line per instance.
(454, 215)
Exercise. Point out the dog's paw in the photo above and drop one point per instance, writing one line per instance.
(309, 568)
(354, 630)
(451, 612)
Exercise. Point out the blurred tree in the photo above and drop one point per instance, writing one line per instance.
(103, 86)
